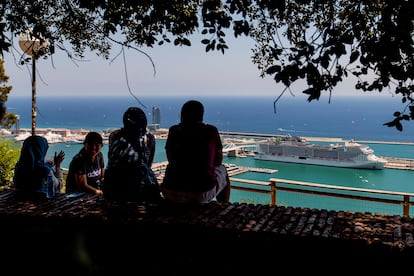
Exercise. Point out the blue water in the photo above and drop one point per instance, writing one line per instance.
(359, 118)
(348, 118)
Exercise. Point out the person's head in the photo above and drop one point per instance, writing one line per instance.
(31, 168)
(135, 121)
(34, 149)
(93, 142)
(192, 112)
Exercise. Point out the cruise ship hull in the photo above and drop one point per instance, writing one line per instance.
(295, 149)
(373, 165)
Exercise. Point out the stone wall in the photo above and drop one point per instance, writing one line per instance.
(88, 236)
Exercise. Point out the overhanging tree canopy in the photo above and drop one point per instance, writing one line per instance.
(321, 42)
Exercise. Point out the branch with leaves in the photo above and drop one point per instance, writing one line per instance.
(320, 42)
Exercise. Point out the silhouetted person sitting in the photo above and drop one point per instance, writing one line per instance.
(128, 176)
(195, 172)
(34, 177)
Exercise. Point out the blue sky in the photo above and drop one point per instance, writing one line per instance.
(181, 71)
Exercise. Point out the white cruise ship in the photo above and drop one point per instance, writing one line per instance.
(294, 149)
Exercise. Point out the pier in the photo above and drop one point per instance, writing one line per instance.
(399, 163)
(232, 170)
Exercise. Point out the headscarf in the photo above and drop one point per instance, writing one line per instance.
(31, 167)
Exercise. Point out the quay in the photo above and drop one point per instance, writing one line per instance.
(235, 170)
(399, 163)
(314, 139)
(232, 169)
(87, 235)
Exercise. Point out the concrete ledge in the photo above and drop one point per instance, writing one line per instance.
(89, 236)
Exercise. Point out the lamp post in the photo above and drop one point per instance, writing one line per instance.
(33, 47)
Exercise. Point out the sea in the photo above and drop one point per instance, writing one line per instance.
(359, 118)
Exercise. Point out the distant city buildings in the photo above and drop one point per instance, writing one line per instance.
(156, 119)
(17, 125)
(156, 115)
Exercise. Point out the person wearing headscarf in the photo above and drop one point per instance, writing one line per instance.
(135, 130)
(195, 172)
(33, 175)
(129, 176)
(87, 168)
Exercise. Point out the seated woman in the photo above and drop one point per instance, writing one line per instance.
(33, 176)
(87, 168)
(129, 176)
(195, 172)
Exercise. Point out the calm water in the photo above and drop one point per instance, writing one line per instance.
(359, 118)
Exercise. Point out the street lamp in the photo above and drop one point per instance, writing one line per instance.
(34, 47)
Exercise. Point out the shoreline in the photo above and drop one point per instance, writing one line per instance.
(339, 140)
(163, 132)
(315, 139)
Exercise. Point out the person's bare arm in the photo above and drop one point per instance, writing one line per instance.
(57, 161)
(83, 185)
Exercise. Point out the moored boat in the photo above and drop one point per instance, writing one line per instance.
(295, 149)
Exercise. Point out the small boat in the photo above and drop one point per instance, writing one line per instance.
(53, 137)
(295, 149)
(20, 137)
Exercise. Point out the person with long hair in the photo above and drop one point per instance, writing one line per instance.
(129, 176)
(87, 168)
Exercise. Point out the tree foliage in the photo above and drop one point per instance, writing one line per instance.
(320, 42)
(7, 119)
(9, 154)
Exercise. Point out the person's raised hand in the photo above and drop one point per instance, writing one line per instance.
(59, 158)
